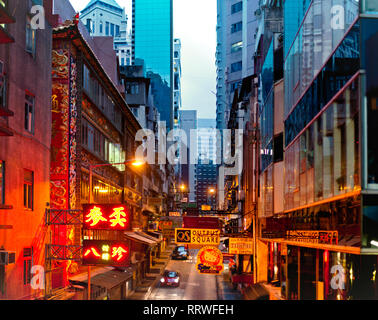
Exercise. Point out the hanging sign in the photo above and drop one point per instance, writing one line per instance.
(210, 261)
(240, 246)
(197, 236)
(105, 252)
(106, 217)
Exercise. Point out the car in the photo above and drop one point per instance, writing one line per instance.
(180, 253)
(170, 279)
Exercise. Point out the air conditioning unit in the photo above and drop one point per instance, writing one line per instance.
(7, 257)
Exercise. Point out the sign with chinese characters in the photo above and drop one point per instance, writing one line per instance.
(240, 246)
(106, 217)
(210, 261)
(197, 236)
(309, 236)
(105, 252)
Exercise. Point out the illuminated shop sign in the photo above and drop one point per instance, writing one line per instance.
(210, 261)
(308, 236)
(197, 236)
(240, 246)
(106, 217)
(105, 252)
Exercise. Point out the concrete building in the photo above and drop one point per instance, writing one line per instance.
(236, 27)
(188, 124)
(105, 18)
(25, 140)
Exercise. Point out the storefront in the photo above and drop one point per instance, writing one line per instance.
(321, 272)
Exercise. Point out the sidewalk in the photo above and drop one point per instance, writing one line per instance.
(225, 289)
(143, 291)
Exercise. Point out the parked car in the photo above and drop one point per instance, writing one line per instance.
(170, 279)
(180, 253)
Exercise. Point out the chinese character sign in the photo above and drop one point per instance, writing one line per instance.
(106, 217)
(105, 252)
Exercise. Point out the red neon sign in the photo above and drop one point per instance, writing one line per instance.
(106, 217)
(104, 252)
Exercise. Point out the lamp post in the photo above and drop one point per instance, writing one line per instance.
(134, 163)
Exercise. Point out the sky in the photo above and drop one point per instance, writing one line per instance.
(195, 24)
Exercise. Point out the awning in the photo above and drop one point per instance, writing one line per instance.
(330, 247)
(256, 292)
(140, 238)
(148, 236)
(106, 278)
(83, 277)
(110, 279)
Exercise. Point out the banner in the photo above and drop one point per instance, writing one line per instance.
(197, 236)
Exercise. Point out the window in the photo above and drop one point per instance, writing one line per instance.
(236, 27)
(28, 262)
(117, 31)
(112, 29)
(237, 46)
(132, 88)
(101, 27)
(28, 189)
(237, 66)
(237, 7)
(89, 21)
(107, 28)
(30, 37)
(29, 113)
(2, 182)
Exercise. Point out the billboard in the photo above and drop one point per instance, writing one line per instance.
(197, 236)
(201, 222)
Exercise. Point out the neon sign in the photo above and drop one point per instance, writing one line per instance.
(105, 252)
(106, 217)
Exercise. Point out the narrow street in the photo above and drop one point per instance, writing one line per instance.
(193, 286)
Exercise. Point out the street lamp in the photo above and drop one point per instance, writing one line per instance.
(134, 163)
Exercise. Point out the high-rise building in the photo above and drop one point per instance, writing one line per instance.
(152, 38)
(177, 102)
(319, 219)
(206, 169)
(105, 18)
(236, 27)
(188, 123)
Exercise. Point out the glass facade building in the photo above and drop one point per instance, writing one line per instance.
(330, 166)
(153, 47)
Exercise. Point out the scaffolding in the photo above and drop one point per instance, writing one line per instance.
(56, 252)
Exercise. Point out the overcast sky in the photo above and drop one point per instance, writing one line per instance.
(195, 24)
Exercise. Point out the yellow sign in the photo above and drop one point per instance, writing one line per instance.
(240, 246)
(209, 237)
(210, 261)
(206, 208)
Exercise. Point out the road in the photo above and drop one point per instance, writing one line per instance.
(193, 286)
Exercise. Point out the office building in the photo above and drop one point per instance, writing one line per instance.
(152, 39)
